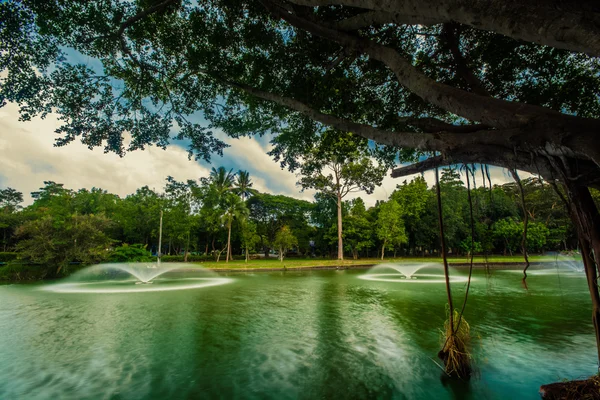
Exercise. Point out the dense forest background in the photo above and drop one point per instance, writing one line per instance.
(64, 228)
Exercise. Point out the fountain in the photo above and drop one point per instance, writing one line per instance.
(567, 265)
(407, 272)
(573, 264)
(117, 278)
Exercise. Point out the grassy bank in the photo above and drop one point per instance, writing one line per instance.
(25, 272)
(319, 262)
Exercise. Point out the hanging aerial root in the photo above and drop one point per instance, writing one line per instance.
(455, 350)
(525, 224)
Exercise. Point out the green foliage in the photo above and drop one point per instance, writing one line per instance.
(6, 256)
(10, 218)
(358, 228)
(510, 233)
(55, 243)
(390, 226)
(336, 164)
(190, 258)
(248, 236)
(240, 42)
(271, 212)
(10, 199)
(466, 244)
(197, 217)
(130, 253)
(284, 240)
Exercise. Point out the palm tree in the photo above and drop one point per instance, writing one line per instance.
(243, 184)
(234, 208)
(221, 179)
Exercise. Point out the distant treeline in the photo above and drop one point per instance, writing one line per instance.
(64, 227)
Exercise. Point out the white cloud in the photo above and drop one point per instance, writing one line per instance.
(248, 154)
(29, 158)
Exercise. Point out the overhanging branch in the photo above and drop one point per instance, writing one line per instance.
(375, 18)
(491, 111)
(551, 23)
(436, 125)
(420, 166)
(442, 141)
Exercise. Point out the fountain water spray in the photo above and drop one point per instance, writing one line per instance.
(407, 273)
(108, 278)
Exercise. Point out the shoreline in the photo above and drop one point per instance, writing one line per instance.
(461, 265)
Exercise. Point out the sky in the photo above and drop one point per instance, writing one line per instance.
(28, 157)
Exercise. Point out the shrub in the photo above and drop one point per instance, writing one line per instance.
(131, 253)
(191, 258)
(22, 272)
(7, 256)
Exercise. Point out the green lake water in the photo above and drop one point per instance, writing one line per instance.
(293, 335)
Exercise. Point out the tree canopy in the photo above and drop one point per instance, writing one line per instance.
(443, 77)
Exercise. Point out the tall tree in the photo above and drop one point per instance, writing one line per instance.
(358, 229)
(336, 165)
(233, 208)
(390, 227)
(10, 201)
(243, 184)
(221, 179)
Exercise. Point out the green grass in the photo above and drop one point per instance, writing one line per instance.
(315, 262)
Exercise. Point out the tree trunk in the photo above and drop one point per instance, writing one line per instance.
(228, 242)
(587, 222)
(246, 253)
(187, 248)
(383, 250)
(592, 279)
(340, 255)
(280, 254)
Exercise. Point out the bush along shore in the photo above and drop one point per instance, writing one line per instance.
(17, 270)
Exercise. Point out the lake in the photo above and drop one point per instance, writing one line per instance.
(294, 335)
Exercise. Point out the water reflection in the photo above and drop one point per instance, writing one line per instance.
(325, 334)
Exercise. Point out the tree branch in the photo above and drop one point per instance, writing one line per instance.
(375, 18)
(143, 14)
(440, 141)
(494, 112)
(450, 35)
(436, 125)
(548, 23)
(133, 19)
(419, 167)
(492, 155)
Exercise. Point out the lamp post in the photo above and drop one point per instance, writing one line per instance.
(159, 253)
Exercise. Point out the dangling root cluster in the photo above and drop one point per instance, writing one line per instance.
(455, 351)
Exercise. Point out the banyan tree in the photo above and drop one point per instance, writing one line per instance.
(513, 84)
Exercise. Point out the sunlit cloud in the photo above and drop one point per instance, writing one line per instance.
(29, 158)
